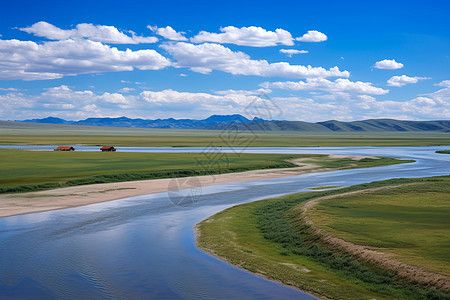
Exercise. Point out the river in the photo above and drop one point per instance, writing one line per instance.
(144, 247)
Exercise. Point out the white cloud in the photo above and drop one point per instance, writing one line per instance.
(246, 36)
(290, 52)
(445, 83)
(9, 89)
(71, 104)
(168, 33)
(126, 90)
(242, 92)
(68, 103)
(388, 64)
(352, 107)
(97, 33)
(66, 93)
(313, 36)
(28, 60)
(201, 105)
(402, 80)
(205, 58)
(114, 98)
(339, 85)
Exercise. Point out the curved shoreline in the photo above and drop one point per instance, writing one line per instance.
(68, 197)
(220, 236)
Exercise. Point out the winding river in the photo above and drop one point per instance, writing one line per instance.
(144, 247)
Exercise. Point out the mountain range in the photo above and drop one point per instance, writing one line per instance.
(239, 122)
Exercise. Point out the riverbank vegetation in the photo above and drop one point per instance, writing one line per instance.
(443, 151)
(26, 171)
(393, 226)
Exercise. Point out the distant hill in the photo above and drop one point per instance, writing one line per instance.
(219, 122)
(215, 120)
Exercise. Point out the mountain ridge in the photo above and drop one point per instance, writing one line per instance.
(239, 122)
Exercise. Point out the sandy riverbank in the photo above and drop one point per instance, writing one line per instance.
(23, 203)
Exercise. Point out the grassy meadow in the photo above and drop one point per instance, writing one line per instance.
(413, 224)
(270, 239)
(22, 170)
(13, 133)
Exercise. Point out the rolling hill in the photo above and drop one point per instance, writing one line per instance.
(239, 122)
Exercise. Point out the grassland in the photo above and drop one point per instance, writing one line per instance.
(271, 239)
(50, 134)
(324, 187)
(23, 171)
(34, 170)
(443, 151)
(413, 224)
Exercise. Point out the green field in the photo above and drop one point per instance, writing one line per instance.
(411, 223)
(268, 238)
(20, 167)
(443, 151)
(13, 133)
(22, 170)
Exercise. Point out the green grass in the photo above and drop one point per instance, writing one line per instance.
(443, 151)
(49, 134)
(35, 170)
(324, 187)
(24, 171)
(268, 238)
(348, 163)
(413, 223)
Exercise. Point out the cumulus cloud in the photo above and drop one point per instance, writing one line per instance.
(66, 102)
(242, 92)
(205, 58)
(97, 33)
(445, 83)
(246, 36)
(388, 64)
(201, 105)
(290, 52)
(168, 33)
(312, 36)
(339, 85)
(66, 93)
(402, 80)
(114, 98)
(126, 90)
(351, 107)
(72, 104)
(28, 60)
(8, 89)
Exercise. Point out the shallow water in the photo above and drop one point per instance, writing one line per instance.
(144, 247)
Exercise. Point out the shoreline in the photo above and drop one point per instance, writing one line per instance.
(75, 196)
(220, 236)
(68, 197)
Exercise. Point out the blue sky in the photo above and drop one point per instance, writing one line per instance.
(315, 60)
